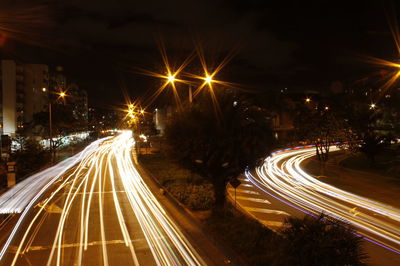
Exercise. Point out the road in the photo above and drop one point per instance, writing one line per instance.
(280, 188)
(100, 212)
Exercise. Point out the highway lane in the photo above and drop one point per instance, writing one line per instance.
(100, 213)
(281, 175)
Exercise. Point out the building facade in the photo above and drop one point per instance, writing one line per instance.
(26, 90)
(12, 97)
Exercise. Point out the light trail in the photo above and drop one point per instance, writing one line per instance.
(26, 193)
(18, 197)
(282, 176)
(108, 167)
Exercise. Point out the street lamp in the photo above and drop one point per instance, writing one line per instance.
(372, 106)
(62, 94)
(171, 78)
(208, 79)
(308, 100)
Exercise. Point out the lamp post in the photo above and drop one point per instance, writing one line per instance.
(62, 95)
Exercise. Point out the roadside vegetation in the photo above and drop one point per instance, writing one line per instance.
(204, 150)
(385, 162)
(187, 187)
(307, 241)
(30, 156)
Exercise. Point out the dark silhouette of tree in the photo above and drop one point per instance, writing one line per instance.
(220, 144)
(321, 241)
(63, 123)
(372, 145)
(322, 127)
(30, 156)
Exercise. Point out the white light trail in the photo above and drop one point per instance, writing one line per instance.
(19, 196)
(106, 166)
(282, 174)
(27, 194)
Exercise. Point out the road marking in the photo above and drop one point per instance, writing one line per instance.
(74, 245)
(53, 208)
(96, 192)
(262, 210)
(253, 199)
(245, 191)
(272, 223)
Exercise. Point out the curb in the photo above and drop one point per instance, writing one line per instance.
(233, 259)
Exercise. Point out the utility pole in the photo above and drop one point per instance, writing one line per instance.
(51, 132)
(190, 94)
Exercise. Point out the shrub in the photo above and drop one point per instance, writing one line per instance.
(321, 241)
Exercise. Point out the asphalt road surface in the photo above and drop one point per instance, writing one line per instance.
(281, 188)
(100, 212)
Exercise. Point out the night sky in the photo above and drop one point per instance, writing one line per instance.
(295, 44)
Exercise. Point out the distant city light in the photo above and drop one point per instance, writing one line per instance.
(327, 108)
(372, 106)
(308, 100)
(62, 94)
(44, 89)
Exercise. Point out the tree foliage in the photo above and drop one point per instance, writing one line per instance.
(372, 145)
(322, 127)
(63, 123)
(30, 156)
(321, 241)
(220, 145)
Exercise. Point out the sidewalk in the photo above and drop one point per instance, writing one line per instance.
(213, 253)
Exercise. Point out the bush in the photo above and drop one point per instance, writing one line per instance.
(188, 188)
(196, 197)
(321, 241)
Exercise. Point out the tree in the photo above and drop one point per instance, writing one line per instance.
(372, 145)
(320, 241)
(30, 156)
(220, 144)
(322, 127)
(63, 123)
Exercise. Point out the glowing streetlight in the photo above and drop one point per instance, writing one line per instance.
(44, 89)
(308, 100)
(62, 94)
(208, 79)
(326, 108)
(171, 78)
(131, 106)
(372, 106)
(142, 111)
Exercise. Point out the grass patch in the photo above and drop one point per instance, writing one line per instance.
(386, 163)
